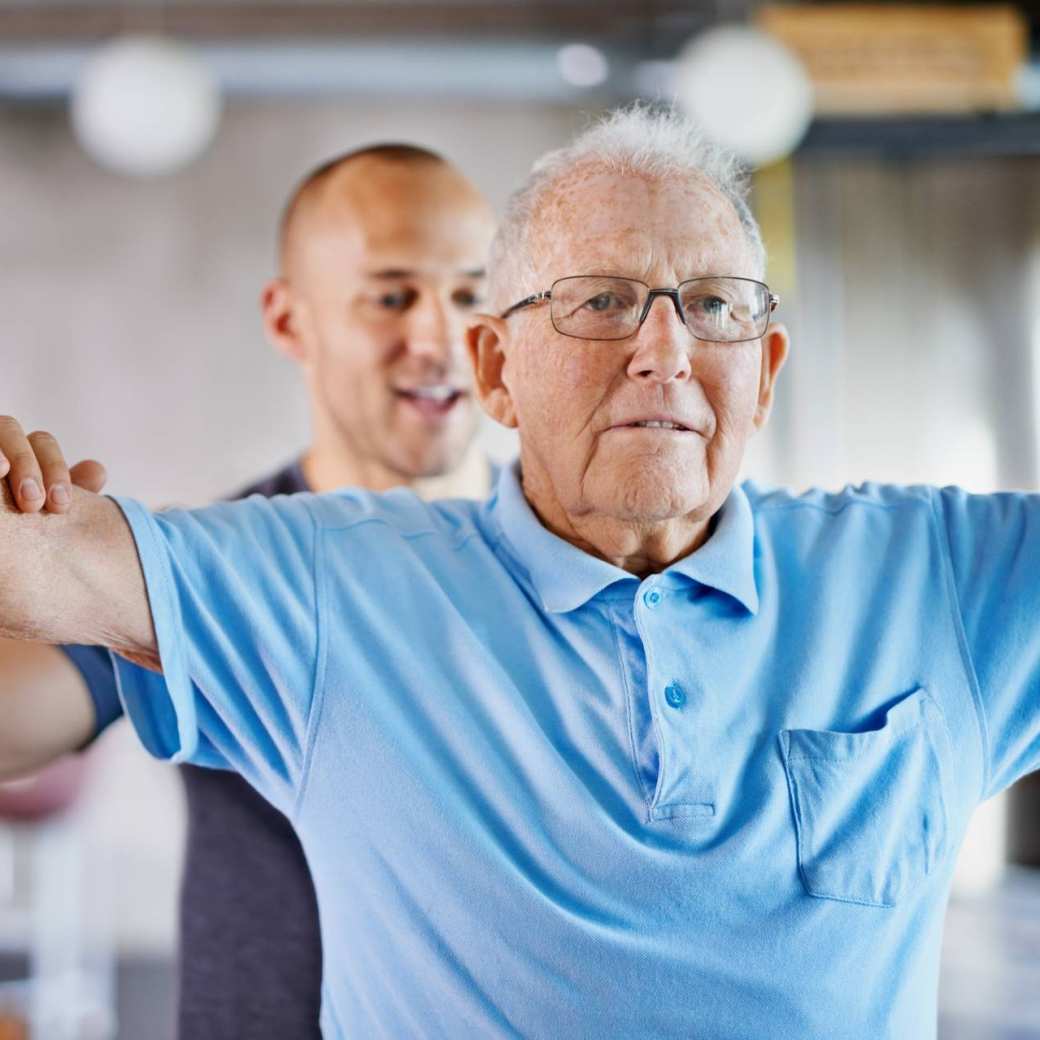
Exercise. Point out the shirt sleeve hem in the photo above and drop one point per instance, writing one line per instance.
(141, 691)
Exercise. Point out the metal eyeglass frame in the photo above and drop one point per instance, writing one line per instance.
(672, 294)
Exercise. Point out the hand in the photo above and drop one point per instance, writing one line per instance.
(36, 472)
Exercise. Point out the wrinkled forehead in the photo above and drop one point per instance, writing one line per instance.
(661, 230)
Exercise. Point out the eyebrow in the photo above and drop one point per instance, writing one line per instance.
(398, 272)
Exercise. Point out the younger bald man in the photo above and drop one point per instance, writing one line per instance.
(382, 254)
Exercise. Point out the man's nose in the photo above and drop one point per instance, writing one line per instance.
(662, 345)
(434, 332)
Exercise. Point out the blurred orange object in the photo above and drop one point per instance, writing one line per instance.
(13, 1026)
(44, 794)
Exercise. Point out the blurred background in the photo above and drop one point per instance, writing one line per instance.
(146, 150)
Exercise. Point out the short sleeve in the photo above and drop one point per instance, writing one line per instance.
(994, 554)
(98, 674)
(232, 593)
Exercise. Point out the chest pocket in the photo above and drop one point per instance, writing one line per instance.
(869, 808)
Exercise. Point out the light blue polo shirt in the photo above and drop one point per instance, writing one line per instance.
(541, 798)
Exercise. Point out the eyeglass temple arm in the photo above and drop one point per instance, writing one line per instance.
(537, 298)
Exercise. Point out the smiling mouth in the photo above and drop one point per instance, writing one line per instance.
(432, 401)
(655, 424)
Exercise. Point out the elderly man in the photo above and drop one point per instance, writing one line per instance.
(381, 259)
(627, 750)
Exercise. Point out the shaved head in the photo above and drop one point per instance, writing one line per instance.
(340, 177)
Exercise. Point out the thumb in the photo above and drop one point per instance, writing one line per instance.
(89, 475)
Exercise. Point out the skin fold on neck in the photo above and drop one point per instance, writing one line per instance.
(639, 548)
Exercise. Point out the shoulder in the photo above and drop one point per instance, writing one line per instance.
(397, 514)
(944, 502)
(912, 513)
(361, 521)
(867, 497)
(858, 522)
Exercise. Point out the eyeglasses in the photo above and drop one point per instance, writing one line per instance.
(717, 309)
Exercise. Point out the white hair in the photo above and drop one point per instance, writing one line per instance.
(642, 140)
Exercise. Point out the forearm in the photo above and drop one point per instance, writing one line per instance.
(73, 578)
(46, 710)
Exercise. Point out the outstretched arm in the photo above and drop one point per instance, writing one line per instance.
(69, 571)
(229, 592)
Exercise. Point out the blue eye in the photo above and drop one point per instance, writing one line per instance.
(713, 308)
(603, 302)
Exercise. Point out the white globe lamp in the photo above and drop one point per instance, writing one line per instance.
(145, 106)
(747, 91)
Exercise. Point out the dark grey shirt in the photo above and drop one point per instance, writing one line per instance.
(250, 962)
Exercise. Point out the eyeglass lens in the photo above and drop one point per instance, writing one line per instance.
(715, 309)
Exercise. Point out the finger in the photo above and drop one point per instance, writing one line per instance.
(23, 473)
(55, 470)
(89, 475)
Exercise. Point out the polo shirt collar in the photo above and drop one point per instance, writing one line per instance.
(565, 578)
(726, 561)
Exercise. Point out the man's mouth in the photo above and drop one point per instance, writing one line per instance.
(658, 424)
(655, 424)
(431, 401)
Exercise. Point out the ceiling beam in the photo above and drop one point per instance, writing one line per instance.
(630, 22)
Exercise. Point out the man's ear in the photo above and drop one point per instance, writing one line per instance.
(775, 345)
(280, 324)
(486, 337)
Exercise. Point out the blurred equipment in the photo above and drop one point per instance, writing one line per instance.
(145, 106)
(51, 914)
(1024, 822)
(13, 1026)
(43, 794)
(873, 59)
(762, 116)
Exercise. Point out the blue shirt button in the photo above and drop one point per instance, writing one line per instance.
(652, 597)
(675, 695)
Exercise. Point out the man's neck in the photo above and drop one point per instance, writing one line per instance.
(471, 478)
(328, 471)
(641, 548)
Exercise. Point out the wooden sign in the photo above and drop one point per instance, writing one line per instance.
(872, 59)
